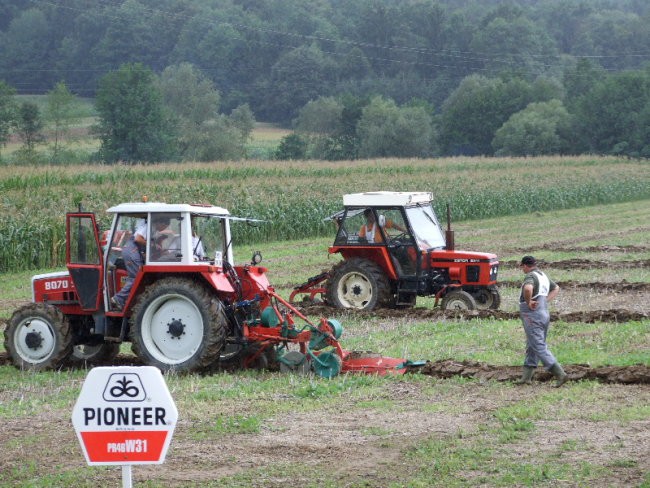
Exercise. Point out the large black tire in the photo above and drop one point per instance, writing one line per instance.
(38, 337)
(458, 300)
(178, 325)
(487, 298)
(358, 283)
(86, 355)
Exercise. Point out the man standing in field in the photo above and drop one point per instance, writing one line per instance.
(536, 291)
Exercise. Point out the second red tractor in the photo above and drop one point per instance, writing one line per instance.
(394, 250)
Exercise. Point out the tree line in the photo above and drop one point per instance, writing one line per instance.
(355, 78)
(142, 117)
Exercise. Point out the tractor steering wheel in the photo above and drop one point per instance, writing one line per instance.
(398, 240)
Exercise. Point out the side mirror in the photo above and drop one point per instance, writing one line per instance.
(257, 258)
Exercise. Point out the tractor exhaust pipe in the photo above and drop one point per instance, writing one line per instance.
(449, 234)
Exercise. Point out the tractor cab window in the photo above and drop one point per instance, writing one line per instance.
(392, 224)
(371, 226)
(83, 244)
(424, 223)
(125, 227)
(349, 227)
(208, 238)
(166, 234)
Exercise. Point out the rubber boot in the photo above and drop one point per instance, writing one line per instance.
(561, 377)
(526, 376)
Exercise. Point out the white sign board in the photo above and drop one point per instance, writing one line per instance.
(124, 415)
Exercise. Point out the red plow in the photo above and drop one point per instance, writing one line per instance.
(307, 346)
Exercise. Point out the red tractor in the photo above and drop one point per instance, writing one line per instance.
(188, 307)
(395, 250)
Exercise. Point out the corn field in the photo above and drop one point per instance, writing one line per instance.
(294, 197)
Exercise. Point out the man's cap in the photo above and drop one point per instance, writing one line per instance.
(528, 261)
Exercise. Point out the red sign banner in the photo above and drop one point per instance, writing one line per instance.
(124, 447)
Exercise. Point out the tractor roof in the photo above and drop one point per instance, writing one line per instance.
(157, 207)
(386, 198)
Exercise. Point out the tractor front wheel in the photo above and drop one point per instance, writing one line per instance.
(358, 283)
(458, 300)
(487, 298)
(178, 325)
(38, 337)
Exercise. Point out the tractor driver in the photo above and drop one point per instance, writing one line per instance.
(370, 230)
(133, 254)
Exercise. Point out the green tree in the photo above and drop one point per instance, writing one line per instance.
(613, 116)
(26, 49)
(61, 113)
(616, 36)
(330, 126)
(189, 94)
(541, 128)
(479, 106)
(9, 9)
(292, 147)
(320, 117)
(193, 99)
(388, 130)
(29, 125)
(216, 140)
(135, 32)
(579, 79)
(204, 134)
(133, 124)
(8, 110)
(515, 44)
(242, 119)
(298, 76)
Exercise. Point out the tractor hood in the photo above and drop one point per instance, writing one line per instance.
(462, 256)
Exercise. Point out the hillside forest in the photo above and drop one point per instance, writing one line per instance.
(353, 78)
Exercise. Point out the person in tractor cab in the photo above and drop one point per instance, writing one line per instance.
(133, 254)
(370, 230)
(197, 246)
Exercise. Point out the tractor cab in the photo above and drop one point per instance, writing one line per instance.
(395, 230)
(178, 236)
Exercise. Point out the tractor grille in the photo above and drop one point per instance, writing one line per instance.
(473, 273)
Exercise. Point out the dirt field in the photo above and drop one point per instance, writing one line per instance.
(364, 447)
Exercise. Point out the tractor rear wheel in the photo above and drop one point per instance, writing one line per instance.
(358, 283)
(458, 300)
(178, 325)
(38, 337)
